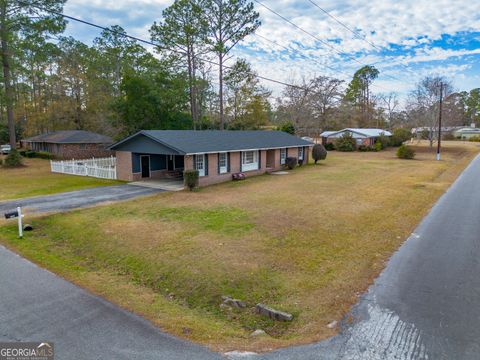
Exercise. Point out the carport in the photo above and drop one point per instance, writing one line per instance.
(141, 158)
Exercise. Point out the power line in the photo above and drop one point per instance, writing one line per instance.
(156, 45)
(342, 53)
(123, 34)
(356, 33)
(312, 59)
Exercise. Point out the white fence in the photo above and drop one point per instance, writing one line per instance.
(104, 168)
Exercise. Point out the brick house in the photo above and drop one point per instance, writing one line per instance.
(365, 137)
(70, 144)
(215, 154)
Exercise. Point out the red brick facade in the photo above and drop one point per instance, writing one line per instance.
(71, 151)
(269, 160)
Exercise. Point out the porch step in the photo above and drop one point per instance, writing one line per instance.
(175, 174)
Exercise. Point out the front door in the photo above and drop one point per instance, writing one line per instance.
(145, 163)
(170, 162)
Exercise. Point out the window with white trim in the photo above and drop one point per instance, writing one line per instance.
(200, 164)
(223, 163)
(283, 156)
(249, 160)
(300, 153)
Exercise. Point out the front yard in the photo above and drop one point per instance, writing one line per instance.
(35, 179)
(307, 243)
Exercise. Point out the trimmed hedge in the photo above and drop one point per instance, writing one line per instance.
(190, 178)
(319, 152)
(37, 154)
(291, 162)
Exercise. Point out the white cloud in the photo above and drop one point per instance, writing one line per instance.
(412, 26)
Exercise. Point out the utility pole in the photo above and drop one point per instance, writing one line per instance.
(440, 122)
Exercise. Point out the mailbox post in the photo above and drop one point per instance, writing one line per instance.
(16, 214)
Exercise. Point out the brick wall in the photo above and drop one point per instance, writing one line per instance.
(84, 151)
(214, 178)
(124, 166)
(125, 169)
(71, 151)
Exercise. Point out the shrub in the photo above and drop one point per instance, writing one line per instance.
(319, 152)
(474, 139)
(190, 178)
(448, 136)
(329, 146)
(365, 148)
(399, 136)
(384, 142)
(43, 155)
(378, 146)
(288, 127)
(13, 159)
(345, 143)
(405, 152)
(291, 162)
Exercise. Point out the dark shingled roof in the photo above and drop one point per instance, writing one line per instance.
(205, 141)
(71, 137)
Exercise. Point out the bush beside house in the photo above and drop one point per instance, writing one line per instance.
(319, 152)
(291, 162)
(399, 136)
(191, 179)
(345, 143)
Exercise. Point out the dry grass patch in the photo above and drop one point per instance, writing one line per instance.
(308, 243)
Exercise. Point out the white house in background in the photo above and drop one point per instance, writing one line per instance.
(362, 136)
(467, 132)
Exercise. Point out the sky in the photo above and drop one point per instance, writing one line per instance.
(406, 40)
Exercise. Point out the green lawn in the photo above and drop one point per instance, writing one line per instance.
(35, 179)
(308, 243)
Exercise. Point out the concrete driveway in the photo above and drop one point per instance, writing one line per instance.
(77, 199)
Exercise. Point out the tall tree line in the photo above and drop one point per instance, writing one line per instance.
(115, 86)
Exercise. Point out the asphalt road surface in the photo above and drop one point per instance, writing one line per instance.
(77, 199)
(424, 305)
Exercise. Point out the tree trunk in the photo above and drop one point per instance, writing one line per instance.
(7, 75)
(220, 91)
(190, 87)
(195, 116)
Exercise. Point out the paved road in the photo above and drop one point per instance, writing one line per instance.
(36, 305)
(77, 199)
(426, 303)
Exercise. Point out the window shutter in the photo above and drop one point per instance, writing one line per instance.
(286, 153)
(194, 162)
(228, 162)
(218, 163)
(206, 165)
(241, 158)
(259, 159)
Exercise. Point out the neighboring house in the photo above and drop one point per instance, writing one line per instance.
(215, 154)
(467, 133)
(70, 144)
(362, 136)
